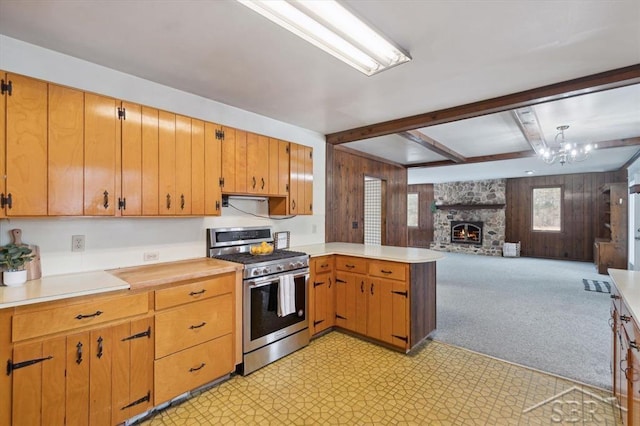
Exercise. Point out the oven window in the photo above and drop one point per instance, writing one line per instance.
(264, 309)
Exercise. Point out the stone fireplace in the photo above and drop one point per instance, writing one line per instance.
(462, 207)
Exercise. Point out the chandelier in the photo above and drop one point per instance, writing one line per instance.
(566, 152)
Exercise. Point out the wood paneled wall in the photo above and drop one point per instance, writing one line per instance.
(583, 215)
(422, 236)
(345, 197)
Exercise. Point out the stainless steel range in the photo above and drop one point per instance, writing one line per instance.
(274, 298)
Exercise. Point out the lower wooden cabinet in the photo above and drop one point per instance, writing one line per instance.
(322, 297)
(98, 377)
(102, 360)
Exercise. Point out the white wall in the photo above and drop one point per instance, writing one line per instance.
(119, 242)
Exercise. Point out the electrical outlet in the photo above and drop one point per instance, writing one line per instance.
(150, 256)
(77, 243)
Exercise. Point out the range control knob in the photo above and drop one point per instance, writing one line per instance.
(292, 265)
(256, 272)
(280, 268)
(299, 264)
(266, 271)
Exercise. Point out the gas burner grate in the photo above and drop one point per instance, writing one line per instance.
(248, 258)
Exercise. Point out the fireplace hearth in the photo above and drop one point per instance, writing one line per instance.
(463, 232)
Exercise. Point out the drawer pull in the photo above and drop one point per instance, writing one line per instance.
(146, 333)
(100, 340)
(79, 353)
(197, 293)
(198, 326)
(11, 366)
(191, 370)
(348, 265)
(324, 265)
(105, 201)
(386, 272)
(625, 318)
(96, 314)
(145, 398)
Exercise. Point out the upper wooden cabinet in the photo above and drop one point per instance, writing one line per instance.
(212, 169)
(257, 164)
(301, 183)
(26, 146)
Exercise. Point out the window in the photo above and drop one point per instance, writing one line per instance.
(412, 209)
(547, 209)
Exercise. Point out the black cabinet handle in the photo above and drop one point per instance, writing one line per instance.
(350, 266)
(361, 286)
(329, 282)
(625, 318)
(95, 314)
(191, 370)
(198, 326)
(100, 340)
(254, 182)
(197, 293)
(324, 265)
(105, 202)
(386, 272)
(293, 204)
(168, 201)
(79, 353)
(372, 288)
(181, 201)
(262, 179)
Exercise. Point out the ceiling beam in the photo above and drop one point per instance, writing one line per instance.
(432, 145)
(615, 143)
(631, 160)
(593, 83)
(527, 121)
(369, 156)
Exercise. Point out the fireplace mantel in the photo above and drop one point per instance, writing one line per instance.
(469, 206)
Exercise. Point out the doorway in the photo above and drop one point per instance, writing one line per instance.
(375, 215)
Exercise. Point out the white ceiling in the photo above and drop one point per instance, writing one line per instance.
(463, 51)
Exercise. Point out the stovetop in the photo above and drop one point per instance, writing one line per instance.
(248, 258)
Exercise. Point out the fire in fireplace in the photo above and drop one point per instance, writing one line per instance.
(466, 232)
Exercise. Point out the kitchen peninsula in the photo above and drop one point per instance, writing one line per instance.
(382, 293)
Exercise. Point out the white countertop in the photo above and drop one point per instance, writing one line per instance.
(628, 284)
(394, 254)
(57, 287)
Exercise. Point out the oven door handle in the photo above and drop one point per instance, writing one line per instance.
(260, 282)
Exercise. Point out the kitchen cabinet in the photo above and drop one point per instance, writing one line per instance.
(257, 164)
(101, 155)
(301, 183)
(183, 165)
(3, 143)
(197, 167)
(81, 362)
(322, 298)
(130, 204)
(25, 146)
(65, 151)
(6, 349)
(234, 161)
(167, 163)
(194, 341)
(278, 167)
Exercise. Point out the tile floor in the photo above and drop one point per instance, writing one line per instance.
(339, 379)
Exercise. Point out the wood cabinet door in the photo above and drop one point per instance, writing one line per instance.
(38, 394)
(150, 162)
(66, 151)
(3, 144)
(307, 181)
(183, 165)
(100, 148)
(132, 160)
(100, 360)
(374, 289)
(167, 163)
(197, 167)
(345, 294)
(77, 379)
(296, 170)
(26, 147)
(212, 170)
(132, 372)
(274, 167)
(319, 302)
(362, 300)
(234, 160)
(283, 168)
(257, 164)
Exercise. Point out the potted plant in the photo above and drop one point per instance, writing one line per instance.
(13, 258)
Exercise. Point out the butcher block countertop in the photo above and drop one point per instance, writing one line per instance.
(164, 273)
(390, 253)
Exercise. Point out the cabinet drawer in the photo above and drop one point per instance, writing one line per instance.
(191, 368)
(192, 324)
(323, 264)
(194, 291)
(391, 270)
(351, 264)
(69, 317)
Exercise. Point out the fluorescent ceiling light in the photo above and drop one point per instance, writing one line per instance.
(329, 26)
